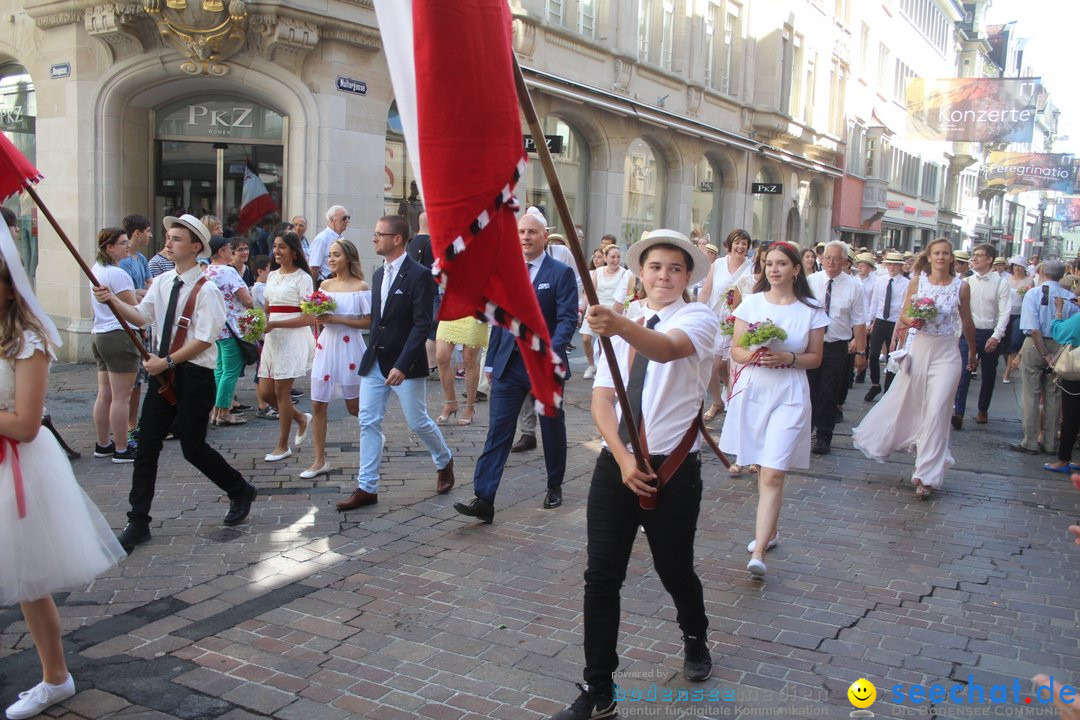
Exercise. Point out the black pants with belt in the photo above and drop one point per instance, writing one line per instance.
(195, 389)
(1070, 418)
(613, 517)
(880, 336)
(826, 383)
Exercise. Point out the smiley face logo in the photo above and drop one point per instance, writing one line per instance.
(862, 693)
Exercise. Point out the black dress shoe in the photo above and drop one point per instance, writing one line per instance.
(553, 499)
(957, 422)
(524, 443)
(239, 509)
(133, 535)
(821, 447)
(872, 393)
(1017, 447)
(479, 508)
(697, 662)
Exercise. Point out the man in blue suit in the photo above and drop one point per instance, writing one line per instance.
(395, 361)
(555, 286)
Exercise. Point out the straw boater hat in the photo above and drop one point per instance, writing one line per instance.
(962, 256)
(999, 261)
(866, 258)
(712, 248)
(894, 257)
(668, 237)
(193, 224)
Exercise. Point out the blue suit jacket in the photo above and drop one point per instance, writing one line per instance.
(399, 330)
(555, 286)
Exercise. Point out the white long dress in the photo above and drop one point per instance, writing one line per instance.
(338, 350)
(768, 409)
(913, 416)
(63, 540)
(610, 289)
(287, 352)
(723, 281)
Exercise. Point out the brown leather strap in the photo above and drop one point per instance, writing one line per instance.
(182, 324)
(677, 456)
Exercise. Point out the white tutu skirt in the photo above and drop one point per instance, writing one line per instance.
(64, 541)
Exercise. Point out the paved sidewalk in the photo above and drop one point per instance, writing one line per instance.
(405, 610)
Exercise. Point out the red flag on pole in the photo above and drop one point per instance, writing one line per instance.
(15, 169)
(452, 68)
(255, 203)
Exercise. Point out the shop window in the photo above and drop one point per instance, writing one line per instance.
(398, 172)
(705, 208)
(809, 203)
(765, 207)
(643, 191)
(572, 167)
(18, 122)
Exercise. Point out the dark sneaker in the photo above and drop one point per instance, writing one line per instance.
(296, 393)
(133, 535)
(590, 705)
(128, 456)
(104, 451)
(697, 662)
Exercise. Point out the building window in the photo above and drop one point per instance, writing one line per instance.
(645, 14)
(572, 165)
(555, 11)
(18, 122)
(765, 206)
(587, 17)
(883, 67)
(808, 91)
(705, 208)
(905, 173)
(643, 191)
(925, 16)
(795, 102)
(723, 38)
(855, 160)
(667, 38)
(900, 77)
(930, 182)
(864, 50)
(788, 69)
(837, 97)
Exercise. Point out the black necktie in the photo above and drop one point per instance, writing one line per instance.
(828, 296)
(1046, 295)
(887, 310)
(636, 386)
(170, 317)
(529, 269)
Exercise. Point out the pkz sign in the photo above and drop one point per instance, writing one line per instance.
(767, 189)
(218, 117)
(554, 144)
(221, 121)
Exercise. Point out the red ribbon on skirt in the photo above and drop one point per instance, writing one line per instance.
(16, 471)
(284, 309)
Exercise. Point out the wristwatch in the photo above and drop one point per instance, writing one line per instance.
(169, 362)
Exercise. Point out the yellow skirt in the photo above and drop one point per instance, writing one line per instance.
(465, 331)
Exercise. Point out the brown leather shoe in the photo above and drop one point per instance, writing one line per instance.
(444, 479)
(524, 444)
(358, 499)
(981, 419)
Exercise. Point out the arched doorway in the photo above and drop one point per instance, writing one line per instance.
(765, 207)
(643, 191)
(572, 164)
(705, 208)
(810, 210)
(18, 122)
(792, 234)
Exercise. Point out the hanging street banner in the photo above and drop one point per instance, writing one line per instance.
(972, 109)
(1019, 172)
(1067, 212)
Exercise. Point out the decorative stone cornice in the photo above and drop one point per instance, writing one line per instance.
(55, 20)
(284, 40)
(116, 25)
(560, 39)
(361, 37)
(524, 35)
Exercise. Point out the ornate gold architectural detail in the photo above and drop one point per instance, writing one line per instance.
(206, 36)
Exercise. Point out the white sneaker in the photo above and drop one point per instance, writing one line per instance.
(36, 699)
(772, 543)
(590, 372)
(756, 568)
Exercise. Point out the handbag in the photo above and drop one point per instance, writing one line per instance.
(249, 351)
(1067, 363)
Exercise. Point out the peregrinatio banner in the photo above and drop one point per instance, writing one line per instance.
(1019, 172)
(972, 109)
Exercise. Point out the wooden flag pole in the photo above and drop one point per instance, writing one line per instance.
(525, 100)
(164, 388)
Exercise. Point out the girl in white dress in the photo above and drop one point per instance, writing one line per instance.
(289, 343)
(914, 413)
(339, 345)
(719, 294)
(614, 284)
(52, 536)
(768, 419)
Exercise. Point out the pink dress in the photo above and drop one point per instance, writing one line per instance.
(338, 350)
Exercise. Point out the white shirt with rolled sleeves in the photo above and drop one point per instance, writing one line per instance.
(990, 302)
(673, 391)
(319, 249)
(847, 306)
(208, 317)
(877, 300)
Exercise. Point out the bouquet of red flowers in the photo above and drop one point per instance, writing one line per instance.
(922, 308)
(252, 324)
(318, 303)
(727, 326)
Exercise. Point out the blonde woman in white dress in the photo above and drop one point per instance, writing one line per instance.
(914, 414)
(614, 286)
(289, 343)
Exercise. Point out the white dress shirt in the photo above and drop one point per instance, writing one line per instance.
(533, 266)
(390, 271)
(566, 256)
(877, 300)
(847, 305)
(209, 315)
(990, 304)
(673, 391)
(320, 249)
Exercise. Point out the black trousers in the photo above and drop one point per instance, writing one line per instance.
(613, 517)
(1070, 418)
(826, 383)
(195, 391)
(881, 336)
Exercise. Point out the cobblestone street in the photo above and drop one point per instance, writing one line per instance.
(405, 610)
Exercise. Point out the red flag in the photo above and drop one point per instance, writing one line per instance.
(452, 68)
(15, 169)
(256, 203)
